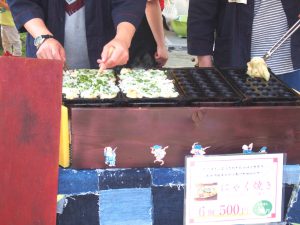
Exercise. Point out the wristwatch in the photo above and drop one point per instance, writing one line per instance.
(38, 41)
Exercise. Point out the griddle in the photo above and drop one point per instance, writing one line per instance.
(206, 87)
(257, 91)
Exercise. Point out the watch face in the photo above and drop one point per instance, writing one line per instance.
(38, 40)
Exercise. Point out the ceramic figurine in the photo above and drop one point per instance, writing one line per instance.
(110, 156)
(263, 149)
(159, 153)
(198, 150)
(247, 149)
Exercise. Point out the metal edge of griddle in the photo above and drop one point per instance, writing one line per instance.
(95, 102)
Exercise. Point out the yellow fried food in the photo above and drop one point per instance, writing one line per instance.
(257, 67)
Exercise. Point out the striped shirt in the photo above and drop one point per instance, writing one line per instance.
(269, 24)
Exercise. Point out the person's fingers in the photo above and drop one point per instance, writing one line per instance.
(164, 61)
(43, 53)
(118, 57)
(161, 60)
(51, 49)
(104, 54)
(110, 62)
(102, 67)
(114, 53)
(56, 54)
(49, 54)
(39, 55)
(62, 53)
(123, 59)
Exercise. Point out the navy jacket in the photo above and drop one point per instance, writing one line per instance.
(233, 25)
(102, 16)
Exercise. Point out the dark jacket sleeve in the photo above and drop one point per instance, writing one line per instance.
(131, 11)
(25, 10)
(202, 20)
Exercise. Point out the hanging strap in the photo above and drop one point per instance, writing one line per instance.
(71, 6)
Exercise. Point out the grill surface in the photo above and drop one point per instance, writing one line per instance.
(206, 87)
(258, 91)
(160, 101)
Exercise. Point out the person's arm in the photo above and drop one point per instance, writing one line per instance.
(116, 51)
(154, 18)
(28, 14)
(127, 15)
(202, 21)
(25, 10)
(204, 61)
(50, 48)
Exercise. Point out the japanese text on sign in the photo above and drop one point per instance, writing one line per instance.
(234, 189)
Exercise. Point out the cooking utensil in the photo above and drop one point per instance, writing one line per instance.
(257, 67)
(289, 33)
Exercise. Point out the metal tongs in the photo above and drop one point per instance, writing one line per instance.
(289, 33)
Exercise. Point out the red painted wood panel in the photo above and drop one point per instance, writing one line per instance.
(135, 130)
(30, 100)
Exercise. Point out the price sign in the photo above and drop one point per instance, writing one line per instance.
(234, 189)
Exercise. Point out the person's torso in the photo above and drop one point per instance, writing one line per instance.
(234, 32)
(269, 25)
(75, 42)
(98, 23)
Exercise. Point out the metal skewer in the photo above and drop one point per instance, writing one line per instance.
(289, 33)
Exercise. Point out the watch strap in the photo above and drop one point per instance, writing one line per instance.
(47, 36)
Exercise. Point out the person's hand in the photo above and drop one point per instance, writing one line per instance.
(204, 61)
(51, 49)
(115, 53)
(161, 56)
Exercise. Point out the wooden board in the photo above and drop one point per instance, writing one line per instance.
(30, 101)
(134, 130)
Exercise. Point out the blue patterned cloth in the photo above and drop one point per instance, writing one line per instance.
(145, 196)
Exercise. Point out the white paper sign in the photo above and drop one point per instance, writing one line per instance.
(234, 189)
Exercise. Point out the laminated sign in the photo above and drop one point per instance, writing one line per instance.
(234, 189)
